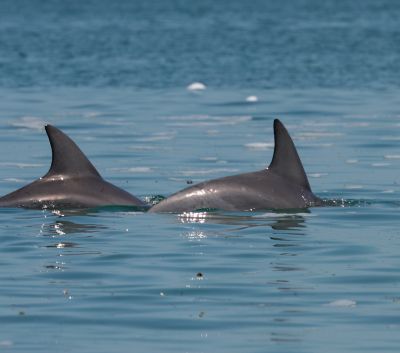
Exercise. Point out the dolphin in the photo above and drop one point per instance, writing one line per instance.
(71, 182)
(283, 185)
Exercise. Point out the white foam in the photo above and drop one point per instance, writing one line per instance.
(306, 135)
(133, 170)
(177, 179)
(352, 161)
(14, 180)
(196, 86)
(91, 114)
(207, 120)
(209, 158)
(190, 117)
(159, 136)
(143, 148)
(392, 156)
(212, 132)
(317, 175)
(320, 123)
(20, 165)
(353, 187)
(259, 145)
(389, 191)
(343, 303)
(252, 99)
(380, 164)
(29, 122)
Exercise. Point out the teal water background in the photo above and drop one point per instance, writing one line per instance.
(114, 78)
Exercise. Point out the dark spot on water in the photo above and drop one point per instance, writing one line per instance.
(280, 320)
(189, 182)
(199, 275)
(54, 267)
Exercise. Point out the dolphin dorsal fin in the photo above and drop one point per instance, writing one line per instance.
(67, 158)
(286, 161)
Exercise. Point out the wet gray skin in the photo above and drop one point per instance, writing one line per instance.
(71, 182)
(283, 185)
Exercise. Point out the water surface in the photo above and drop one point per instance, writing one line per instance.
(114, 78)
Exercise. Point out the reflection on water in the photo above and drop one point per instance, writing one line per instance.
(64, 227)
(275, 220)
(62, 230)
(58, 265)
(193, 217)
(269, 244)
(195, 235)
(62, 245)
(286, 223)
(266, 275)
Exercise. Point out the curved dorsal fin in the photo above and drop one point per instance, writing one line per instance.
(67, 158)
(286, 162)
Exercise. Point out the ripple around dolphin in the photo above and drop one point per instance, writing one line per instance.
(346, 203)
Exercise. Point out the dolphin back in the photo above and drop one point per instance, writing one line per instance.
(283, 185)
(71, 182)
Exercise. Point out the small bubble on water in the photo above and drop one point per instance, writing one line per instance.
(196, 86)
(343, 303)
(252, 99)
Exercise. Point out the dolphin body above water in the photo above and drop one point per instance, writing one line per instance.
(283, 185)
(71, 182)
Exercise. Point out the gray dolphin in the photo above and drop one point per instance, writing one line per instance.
(283, 185)
(71, 182)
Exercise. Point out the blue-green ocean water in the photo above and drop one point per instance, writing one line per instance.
(114, 77)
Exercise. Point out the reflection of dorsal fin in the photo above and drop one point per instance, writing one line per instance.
(67, 158)
(286, 162)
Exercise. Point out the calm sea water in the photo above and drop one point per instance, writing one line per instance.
(114, 77)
